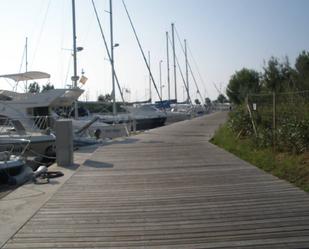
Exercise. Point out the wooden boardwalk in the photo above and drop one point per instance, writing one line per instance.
(170, 188)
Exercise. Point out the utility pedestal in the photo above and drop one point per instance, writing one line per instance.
(64, 142)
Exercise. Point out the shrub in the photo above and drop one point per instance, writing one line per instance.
(239, 121)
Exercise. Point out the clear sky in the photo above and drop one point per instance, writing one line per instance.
(223, 36)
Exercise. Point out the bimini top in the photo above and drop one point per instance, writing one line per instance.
(31, 75)
(52, 97)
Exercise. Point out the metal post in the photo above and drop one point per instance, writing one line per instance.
(160, 74)
(112, 58)
(168, 68)
(187, 72)
(174, 60)
(75, 77)
(150, 93)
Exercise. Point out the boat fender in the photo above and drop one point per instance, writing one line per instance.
(40, 171)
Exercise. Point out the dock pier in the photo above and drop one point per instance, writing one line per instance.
(169, 188)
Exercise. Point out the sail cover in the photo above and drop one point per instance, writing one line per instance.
(31, 75)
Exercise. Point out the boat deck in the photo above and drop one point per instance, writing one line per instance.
(169, 188)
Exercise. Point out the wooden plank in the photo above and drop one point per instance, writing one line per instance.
(170, 188)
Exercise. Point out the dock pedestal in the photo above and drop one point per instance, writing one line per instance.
(64, 142)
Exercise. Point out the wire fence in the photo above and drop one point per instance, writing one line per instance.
(281, 119)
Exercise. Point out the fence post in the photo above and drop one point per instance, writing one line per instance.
(246, 102)
(274, 121)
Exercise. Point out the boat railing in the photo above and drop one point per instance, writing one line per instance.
(9, 148)
(23, 125)
(41, 122)
(14, 147)
(26, 146)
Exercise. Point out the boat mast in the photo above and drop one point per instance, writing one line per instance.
(107, 50)
(174, 60)
(26, 53)
(168, 68)
(150, 93)
(74, 77)
(187, 72)
(112, 58)
(160, 77)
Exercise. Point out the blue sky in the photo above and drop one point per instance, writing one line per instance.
(223, 35)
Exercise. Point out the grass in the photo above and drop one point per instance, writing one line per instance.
(293, 168)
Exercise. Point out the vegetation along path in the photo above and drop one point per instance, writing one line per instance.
(170, 188)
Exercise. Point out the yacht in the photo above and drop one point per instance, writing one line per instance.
(29, 107)
(24, 117)
(146, 116)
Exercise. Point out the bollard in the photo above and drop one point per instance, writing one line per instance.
(64, 142)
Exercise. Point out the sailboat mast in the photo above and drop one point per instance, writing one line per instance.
(112, 57)
(150, 93)
(160, 77)
(174, 60)
(168, 68)
(74, 77)
(26, 55)
(26, 48)
(187, 72)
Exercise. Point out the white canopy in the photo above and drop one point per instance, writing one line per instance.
(31, 75)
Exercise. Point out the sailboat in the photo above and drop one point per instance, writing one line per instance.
(146, 116)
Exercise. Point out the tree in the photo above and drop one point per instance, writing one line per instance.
(105, 98)
(207, 101)
(277, 76)
(241, 84)
(302, 71)
(197, 102)
(34, 87)
(47, 87)
(222, 99)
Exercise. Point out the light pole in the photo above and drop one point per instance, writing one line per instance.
(160, 72)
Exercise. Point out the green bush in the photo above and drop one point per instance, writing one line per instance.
(239, 121)
(291, 134)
